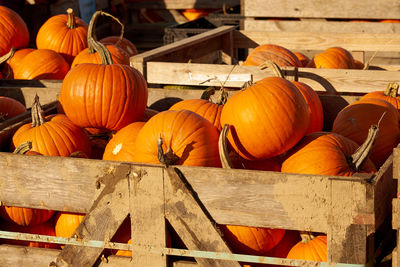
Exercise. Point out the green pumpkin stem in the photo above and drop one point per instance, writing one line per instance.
(23, 148)
(223, 148)
(168, 158)
(392, 90)
(37, 113)
(358, 158)
(71, 24)
(306, 237)
(273, 66)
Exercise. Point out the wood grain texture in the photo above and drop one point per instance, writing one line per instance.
(396, 214)
(396, 167)
(181, 4)
(351, 9)
(314, 25)
(102, 221)
(147, 217)
(191, 220)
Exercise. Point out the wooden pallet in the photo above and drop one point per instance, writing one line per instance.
(348, 209)
(320, 16)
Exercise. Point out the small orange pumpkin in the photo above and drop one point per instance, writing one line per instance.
(277, 54)
(9, 107)
(333, 58)
(304, 60)
(310, 248)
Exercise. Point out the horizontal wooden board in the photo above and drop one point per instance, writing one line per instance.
(316, 25)
(351, 9)
(180, 4)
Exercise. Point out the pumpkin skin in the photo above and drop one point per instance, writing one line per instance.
(333, 58)
(389, 95)
(9, 107)
(14, 32)
(314, 107)
(323, 153)
(14, 61)
(354, 121)
(289, 240)
(266, 119)
(208, 110)
(191, 137)
(64, 34)
(123, 43)
(251, 240)
(25, 216)
(42, 64)
(314, 250)
(66, 223)
(57, 136)
(277, 54)
(118, 55)
(103, 96)
(304, 60)
(121, 146)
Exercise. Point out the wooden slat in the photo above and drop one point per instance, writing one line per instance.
(319, 41)
(180, 4)
(102, 221)
(191, 220)
(147, 217)
(319, 26)
(352, 9)
(396, 167)
(330, 80)
(396, 214)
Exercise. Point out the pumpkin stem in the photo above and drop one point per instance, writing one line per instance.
(23, 148)
(37, 113)
(71, 19)
(357, 159)
(168, 158)
(7, 56)
(306, 237)
(223, 148)
(206, 95)
(392, 90)
(273, 66)
(78, 154)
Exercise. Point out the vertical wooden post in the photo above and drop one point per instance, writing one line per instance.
(147, 217)
(191, 220)
(229, 55)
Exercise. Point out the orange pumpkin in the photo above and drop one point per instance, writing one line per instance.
(277, 54)
(333, 58)
(186, 137)
(14, 32)
(121, 146)
(391, 95)
(304, 60)
(63, 33)
(266, 119)
(310, 248)
(25, 216)
(41, 64)
(9, 107)
(11, 64)
(195, 13)
(251, 240)
(324, 153)
(289, 240)
(66, 223)
(54, 135)
(355, 120)
(123, 43)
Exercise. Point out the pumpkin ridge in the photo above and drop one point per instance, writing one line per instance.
(40, 134)
(60, 135)
(183, 141)
(129, 83)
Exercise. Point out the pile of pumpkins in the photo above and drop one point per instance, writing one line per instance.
(272, 125)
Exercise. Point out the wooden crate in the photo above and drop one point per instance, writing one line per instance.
(349, 209)
(321, 16)
(396, 209)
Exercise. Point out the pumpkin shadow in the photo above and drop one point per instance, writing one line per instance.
(186, 152)
(165, 103)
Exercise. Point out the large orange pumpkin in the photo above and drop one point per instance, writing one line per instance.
(333, 58)
(266, 119)
(91, 55)
(63, 33)
(41, 64)
(25, 216)
(123, 43)
(310, 248)
(186, 137)
(324, 153)
(355, 120)
(277, 54)
(12, 62)
(391, 95)
(9, 107)
(14, 32)
(106, 96)
(121, 146)
(251, 240)
(66, 223)
(54, 135)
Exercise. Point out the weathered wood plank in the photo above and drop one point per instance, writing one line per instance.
(191, 220)
(147, 217)
(396, 213)
(181, 4)
(319, 41)
(396, 167)
(330, 80)
(319, 26)
(351, 9)
(103, 219)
